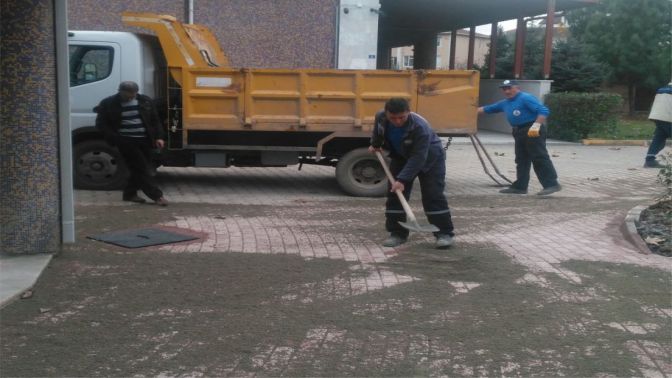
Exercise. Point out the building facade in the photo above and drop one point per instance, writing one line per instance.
(402, 57)
(30, 201)
(252, 33)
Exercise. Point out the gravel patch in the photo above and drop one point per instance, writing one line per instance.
(655, 227)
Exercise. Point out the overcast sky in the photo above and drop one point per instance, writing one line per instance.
(507, 25)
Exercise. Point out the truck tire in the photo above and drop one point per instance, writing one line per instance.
(98, 166)
(359, 174)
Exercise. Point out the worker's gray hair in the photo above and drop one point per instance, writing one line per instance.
(128, 86)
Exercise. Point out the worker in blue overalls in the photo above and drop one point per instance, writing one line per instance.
(415, 151)
(527, 115)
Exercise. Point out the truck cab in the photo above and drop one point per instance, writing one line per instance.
(99, 61)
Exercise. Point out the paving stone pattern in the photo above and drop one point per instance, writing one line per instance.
(588, 174)
(590, 303)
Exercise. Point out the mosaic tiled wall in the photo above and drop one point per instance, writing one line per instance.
(106, 15)
(29, 185)
(279, 33)
(253, 33)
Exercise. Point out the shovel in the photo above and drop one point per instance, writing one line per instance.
(412, 222)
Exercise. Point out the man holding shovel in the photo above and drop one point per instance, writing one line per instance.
(415, 151)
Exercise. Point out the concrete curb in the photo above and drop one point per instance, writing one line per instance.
(20, 273)
(629, 229)
(612, 142)
(619, 142)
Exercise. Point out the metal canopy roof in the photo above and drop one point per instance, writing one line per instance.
(401, 20)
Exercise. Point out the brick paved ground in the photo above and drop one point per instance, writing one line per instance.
(588, 174)
(516, 255)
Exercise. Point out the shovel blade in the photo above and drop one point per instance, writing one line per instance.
(415, 226)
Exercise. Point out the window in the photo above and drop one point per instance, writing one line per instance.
(393, 63)
(89, 63)
(408, 60)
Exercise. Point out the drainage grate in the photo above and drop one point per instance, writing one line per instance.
(143, 237)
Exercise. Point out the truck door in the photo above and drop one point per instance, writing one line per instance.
(95, 73)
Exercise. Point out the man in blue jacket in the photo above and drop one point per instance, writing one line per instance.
(527, 115)
(415, 151)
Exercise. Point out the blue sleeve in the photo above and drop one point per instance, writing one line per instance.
(497, 107)
(535, 106)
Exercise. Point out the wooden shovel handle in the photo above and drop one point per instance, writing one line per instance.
(402, 199)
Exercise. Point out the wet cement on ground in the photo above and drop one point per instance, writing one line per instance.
(472, 310)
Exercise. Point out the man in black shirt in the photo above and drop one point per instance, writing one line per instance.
(130, 121)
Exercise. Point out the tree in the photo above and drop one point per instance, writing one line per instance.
(503, 56)
(532, 56)
(574, 69)
(632, 37)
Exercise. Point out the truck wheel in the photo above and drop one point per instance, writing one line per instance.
(98, 166)
(359, 174)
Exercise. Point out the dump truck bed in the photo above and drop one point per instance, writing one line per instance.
(215, 97)
(323, 100)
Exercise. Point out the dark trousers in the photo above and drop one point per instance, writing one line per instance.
(531, 152)
(434, 202)
(660, 135)
(137, 155)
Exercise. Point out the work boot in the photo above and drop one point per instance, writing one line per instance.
(444, 241)
(394, 241)
(652, 164)
(549, 190)
(134, 198)
(512, 190)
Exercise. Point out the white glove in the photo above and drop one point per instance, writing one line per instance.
(533, 132)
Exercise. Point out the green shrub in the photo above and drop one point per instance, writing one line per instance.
(575, 115)
(665, 178)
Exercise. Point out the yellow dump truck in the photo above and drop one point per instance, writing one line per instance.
(220, 116)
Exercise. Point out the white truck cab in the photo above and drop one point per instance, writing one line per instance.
(99, 61)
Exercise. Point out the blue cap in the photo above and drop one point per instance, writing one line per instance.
(508, 83)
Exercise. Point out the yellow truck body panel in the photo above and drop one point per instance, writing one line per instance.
(323, 100)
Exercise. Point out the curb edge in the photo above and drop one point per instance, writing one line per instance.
(629, 229)
(614, 142)
(25, 286)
